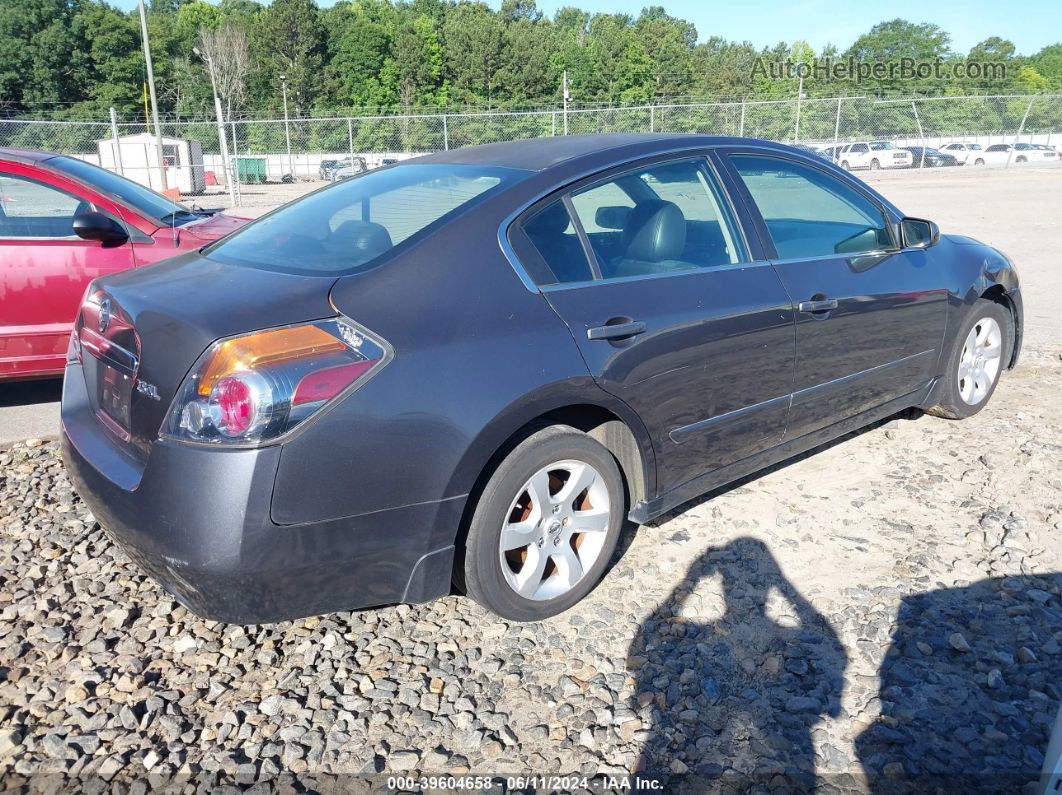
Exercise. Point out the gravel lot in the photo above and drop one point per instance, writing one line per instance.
(883, 615)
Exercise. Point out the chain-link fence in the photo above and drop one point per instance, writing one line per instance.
(274, 150)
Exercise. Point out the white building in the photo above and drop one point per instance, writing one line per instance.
(136, 157)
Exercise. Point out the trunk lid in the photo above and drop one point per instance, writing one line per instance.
(142, 330)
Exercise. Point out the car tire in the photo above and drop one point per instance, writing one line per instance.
(844, 165)
(874, 164)
(979, 162)
(988, 324)
(1022, 159)
(570, 542)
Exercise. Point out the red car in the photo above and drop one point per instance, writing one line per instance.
(64, 222)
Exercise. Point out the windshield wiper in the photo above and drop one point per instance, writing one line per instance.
(175, 215)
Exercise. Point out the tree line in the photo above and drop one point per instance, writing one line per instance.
(76, 58)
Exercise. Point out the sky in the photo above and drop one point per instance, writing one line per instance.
(1030, 24)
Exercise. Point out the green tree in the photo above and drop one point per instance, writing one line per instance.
(669, 43)
(891, 42)
(473, 42)
(289, 40)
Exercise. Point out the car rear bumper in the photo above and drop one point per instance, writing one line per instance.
(197, 520)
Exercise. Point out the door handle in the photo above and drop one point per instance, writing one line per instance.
(818, 305)
(614, 331)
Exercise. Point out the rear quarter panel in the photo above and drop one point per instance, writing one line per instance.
(477, 355)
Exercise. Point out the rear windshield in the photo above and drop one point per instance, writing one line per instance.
(345, 227)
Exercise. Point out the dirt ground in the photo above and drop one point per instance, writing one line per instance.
(882, 615)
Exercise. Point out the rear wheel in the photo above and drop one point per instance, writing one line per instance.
(979, 162)
(978, 356)
(844, 165)
(545, 526)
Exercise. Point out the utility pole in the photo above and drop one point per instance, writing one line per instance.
(287, 132)
(151, 88)
(565, 101)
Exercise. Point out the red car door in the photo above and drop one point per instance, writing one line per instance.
(44, 266)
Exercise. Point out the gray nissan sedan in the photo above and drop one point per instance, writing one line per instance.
(470, 368)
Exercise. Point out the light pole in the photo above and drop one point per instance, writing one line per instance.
(223, 142)
(287, 131)
(151, 88)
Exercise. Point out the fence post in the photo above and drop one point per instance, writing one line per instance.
(837, 126)
(117, 142)
(446, 134)
(1021, 127)
(350, 138)
(225, 150)
(741, 124)
(235, 164)
(652, 118)
(553, 132)
(921, 135)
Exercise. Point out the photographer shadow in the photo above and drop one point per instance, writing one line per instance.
(969, 690)
(732, 700)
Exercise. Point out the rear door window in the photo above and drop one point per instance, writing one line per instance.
(661, 218)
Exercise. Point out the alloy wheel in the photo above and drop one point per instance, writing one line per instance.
(980, 361)
(555, 530)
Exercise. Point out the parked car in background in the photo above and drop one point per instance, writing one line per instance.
(63, 223)
(1035, 153)
(350, 167)
(1000, 154)
(966, 154)
(926, 157)
(474, 366)
(326, 168)
(872, 155)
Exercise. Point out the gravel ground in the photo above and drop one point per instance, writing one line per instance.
(871, 617)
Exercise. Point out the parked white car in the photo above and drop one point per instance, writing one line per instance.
(1000, 154)
(350, 167)
(872, 155)
(966, 154)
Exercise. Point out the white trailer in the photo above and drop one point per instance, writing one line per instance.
(136, 157)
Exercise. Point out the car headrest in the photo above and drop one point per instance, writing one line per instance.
(365, 238)
(656, 231)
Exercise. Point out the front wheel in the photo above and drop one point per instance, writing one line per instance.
(844, 165)
(874, 165)
(545, 526)
(978, 356)
(979, 162)
(1021, 159)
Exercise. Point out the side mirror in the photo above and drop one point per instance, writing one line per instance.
(97, 226)
(918, 233)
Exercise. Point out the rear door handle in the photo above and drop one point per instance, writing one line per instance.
(820, 305)
(615, 330)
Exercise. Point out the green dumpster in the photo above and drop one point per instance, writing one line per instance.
(251, 170)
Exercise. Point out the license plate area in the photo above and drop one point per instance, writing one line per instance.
(115, 391)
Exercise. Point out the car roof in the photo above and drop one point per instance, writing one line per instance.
(25, 155)
(540, 154)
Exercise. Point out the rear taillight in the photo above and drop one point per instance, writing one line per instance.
(254, 388)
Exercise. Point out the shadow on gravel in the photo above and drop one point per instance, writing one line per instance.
(969, 689)
(27, 393)
(741, 692)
